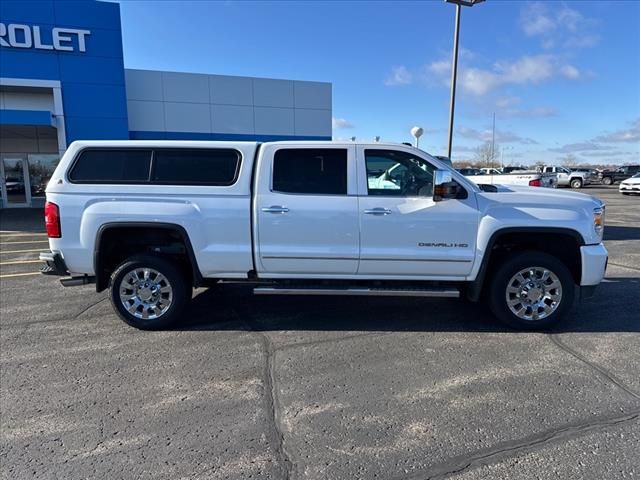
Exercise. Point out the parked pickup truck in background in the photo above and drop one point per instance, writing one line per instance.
(493, 176)
(150, 220)
(567, 177)
(610, 177)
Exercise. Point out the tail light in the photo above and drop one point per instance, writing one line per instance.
(52, 220)
(535, 183)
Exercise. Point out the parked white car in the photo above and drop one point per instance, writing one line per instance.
(630, 185)
(149, 220)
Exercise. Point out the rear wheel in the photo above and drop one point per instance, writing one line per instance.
(531, 291)
(576, 183)
(149, 292)
(607, 181)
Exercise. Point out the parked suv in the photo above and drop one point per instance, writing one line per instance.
(150, 220)
(609, 177)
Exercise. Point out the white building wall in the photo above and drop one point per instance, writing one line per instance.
(198, 103)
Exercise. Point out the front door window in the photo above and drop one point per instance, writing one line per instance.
(398, 174)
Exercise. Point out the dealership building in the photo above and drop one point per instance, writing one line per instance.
(62, 78)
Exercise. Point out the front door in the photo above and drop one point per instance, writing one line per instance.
(404, 233)
(307, 211)
(14, 181)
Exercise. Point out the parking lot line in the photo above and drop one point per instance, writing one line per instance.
(30, 241)
(21, 262)
(9, 275)
(20, 251)
(22, 234)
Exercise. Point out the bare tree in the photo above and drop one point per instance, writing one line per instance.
(487, 156)
(569, 160)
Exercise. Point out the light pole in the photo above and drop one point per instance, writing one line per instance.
(454, 63)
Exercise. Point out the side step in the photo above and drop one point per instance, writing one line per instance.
(373, 292)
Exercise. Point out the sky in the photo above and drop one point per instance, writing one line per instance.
(563, 78)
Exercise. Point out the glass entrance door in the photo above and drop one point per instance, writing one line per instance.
(14, 181)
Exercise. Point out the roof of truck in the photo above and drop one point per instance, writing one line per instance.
(211, 143)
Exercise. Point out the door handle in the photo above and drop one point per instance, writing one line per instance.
(378, 211)
(275, 209)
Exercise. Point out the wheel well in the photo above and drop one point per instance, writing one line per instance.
(119, 242)
(563, 245)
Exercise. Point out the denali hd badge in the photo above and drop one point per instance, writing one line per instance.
(445, 245)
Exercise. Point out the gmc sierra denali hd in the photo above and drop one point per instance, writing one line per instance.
(150, 220)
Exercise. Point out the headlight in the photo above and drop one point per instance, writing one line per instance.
(598, 220)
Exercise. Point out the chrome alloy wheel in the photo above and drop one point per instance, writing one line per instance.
(146, 293)
(534, 293)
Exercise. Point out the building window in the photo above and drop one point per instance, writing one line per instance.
(317, 171)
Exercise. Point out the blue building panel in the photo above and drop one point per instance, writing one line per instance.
(34, 118)
(23, 11)
(92, 82)
(88, 128)
(87, 13)
(28, 64)
(105, 71)
(93, 100)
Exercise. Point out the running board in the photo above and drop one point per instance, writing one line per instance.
(372, 292)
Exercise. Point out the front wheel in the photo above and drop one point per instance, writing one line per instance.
(531, 291)
(607, 181)
(576, 183)
(149, 292)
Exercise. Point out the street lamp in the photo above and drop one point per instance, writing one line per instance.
(454, 63)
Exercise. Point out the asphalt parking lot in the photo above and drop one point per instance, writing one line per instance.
(316, 387)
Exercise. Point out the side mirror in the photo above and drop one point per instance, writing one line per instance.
(443, 186)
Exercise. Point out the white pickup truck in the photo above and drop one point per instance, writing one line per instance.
(493, 176)
(567, 177)
(149, 220)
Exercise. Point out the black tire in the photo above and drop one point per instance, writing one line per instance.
(178, 283)
(607, 181)
(521, 261)
(576, 183)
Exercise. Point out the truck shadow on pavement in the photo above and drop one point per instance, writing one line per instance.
(613, 309)
(614, 232)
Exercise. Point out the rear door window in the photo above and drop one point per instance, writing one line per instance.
(310, 171)
(112, 166)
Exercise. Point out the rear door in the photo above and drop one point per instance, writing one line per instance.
(404, 233)
(306, 209)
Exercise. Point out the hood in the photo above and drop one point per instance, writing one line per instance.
(631, 181)
(541, 207)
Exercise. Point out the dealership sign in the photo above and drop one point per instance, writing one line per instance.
(15, 35)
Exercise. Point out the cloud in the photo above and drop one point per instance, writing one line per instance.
(558, 25)
(337, 123)
(528, 69)
(399, 75)
(534, 112)
(570, 72)
(535, 19)
(616, 153)
(507, 102)
(440, 67)
(501, 136)
(580, 147)
(631, 134)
